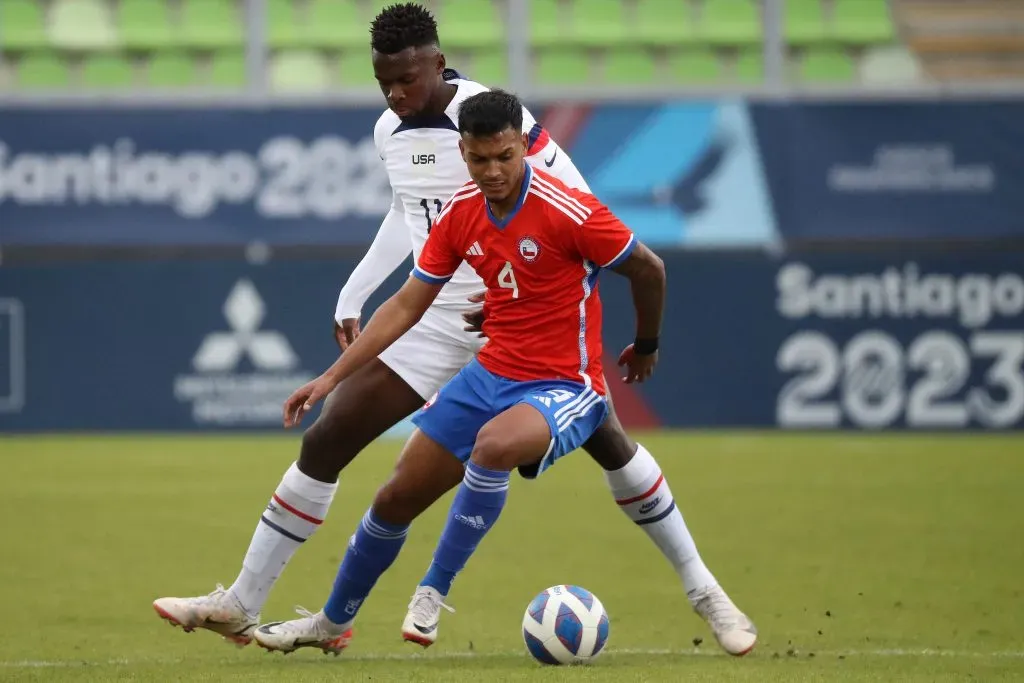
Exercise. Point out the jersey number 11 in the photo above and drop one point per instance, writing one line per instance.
(426, 211)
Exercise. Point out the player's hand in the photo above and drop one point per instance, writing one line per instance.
(475, 319)
(304, 398)
(346, 332)
(639, 367)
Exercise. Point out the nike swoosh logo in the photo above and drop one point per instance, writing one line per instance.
(549, 162)
(425, 630)
(301, 642)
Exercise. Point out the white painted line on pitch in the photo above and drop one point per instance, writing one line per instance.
(883, 652)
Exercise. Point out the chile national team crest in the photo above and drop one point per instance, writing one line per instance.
(529, 249)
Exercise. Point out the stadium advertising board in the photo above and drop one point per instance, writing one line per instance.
(920, 343)
(165, 177)
(866, 341)
(895, 170)
(702, 174)
(845, 341)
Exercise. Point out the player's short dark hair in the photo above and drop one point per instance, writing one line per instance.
(401, 26)
(489, 113)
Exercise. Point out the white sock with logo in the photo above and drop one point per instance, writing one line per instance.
(295, 511)
(643, 494)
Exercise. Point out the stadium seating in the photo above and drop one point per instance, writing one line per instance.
(322, 44)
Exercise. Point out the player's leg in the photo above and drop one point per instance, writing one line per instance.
(541, 423)
(425, 471)
(375, 398)
(357, 412)
(642, 492)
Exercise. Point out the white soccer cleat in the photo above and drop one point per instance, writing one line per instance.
(309, 631)
(219, 612)
(733, 630)
(420, 625)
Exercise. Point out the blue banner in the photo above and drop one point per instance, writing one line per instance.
(701, 174)
(896, 171)
(865, 341)
(677, 173)
(170, 177)
(860, 341)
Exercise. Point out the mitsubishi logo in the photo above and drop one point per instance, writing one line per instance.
(244, 312)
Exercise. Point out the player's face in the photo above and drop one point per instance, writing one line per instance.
(495, 162)
(409, 78)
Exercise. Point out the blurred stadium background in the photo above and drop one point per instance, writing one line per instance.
(837, 191)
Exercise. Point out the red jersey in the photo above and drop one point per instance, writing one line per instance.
(540, 265)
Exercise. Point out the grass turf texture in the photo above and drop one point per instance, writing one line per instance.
(860, 558)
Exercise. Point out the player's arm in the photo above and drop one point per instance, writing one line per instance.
(389, 249)
(393, 319)
(544, 153)
(437, 264)
(605, 240)
(646, 273)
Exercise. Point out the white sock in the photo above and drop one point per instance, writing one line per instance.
(643, 494)
(295, 511)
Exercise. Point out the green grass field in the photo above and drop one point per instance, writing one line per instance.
(861, 558)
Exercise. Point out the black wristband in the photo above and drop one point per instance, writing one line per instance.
(645, 347)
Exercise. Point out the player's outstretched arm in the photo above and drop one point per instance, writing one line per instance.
(393, 319)
(646, 273)
(389, 249)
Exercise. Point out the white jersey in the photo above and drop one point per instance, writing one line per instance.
(425, 169)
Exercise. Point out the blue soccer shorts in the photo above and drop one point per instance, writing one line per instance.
(474, 396)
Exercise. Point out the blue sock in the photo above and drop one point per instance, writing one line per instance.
(474, 511)
(371, 551)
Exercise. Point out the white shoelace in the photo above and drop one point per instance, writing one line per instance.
(720, 611)
(425, 607)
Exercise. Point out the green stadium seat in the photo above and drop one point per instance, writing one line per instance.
(299, 71)
(827, 65)
(663, 23)
(629, 66)
(337, 24)
(598, 23)
(862, 21)
(562, 66)
(107, 71)
(695, 66)
(211, 24)
(730, 22)
(22, 25)
(545, 21)
(171, 69)
(750, 66)
(470, 24)
(145, 25)
(356, 69)
(227, 69)
(377, 5)
(81, 25)
(42, 70)
(490, 67)
(804, 22)
(283, 30)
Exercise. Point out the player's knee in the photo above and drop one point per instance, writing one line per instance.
(396, 504)
(323, 453)
(610, 446)
(494, 449)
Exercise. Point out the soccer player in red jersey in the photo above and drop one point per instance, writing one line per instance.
(536, 391)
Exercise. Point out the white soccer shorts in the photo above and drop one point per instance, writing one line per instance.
(433, 351)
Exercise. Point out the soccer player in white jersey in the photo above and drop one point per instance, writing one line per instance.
(418, 141)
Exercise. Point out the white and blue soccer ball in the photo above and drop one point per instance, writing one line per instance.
(565, 625)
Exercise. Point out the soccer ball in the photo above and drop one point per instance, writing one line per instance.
(565, 625)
